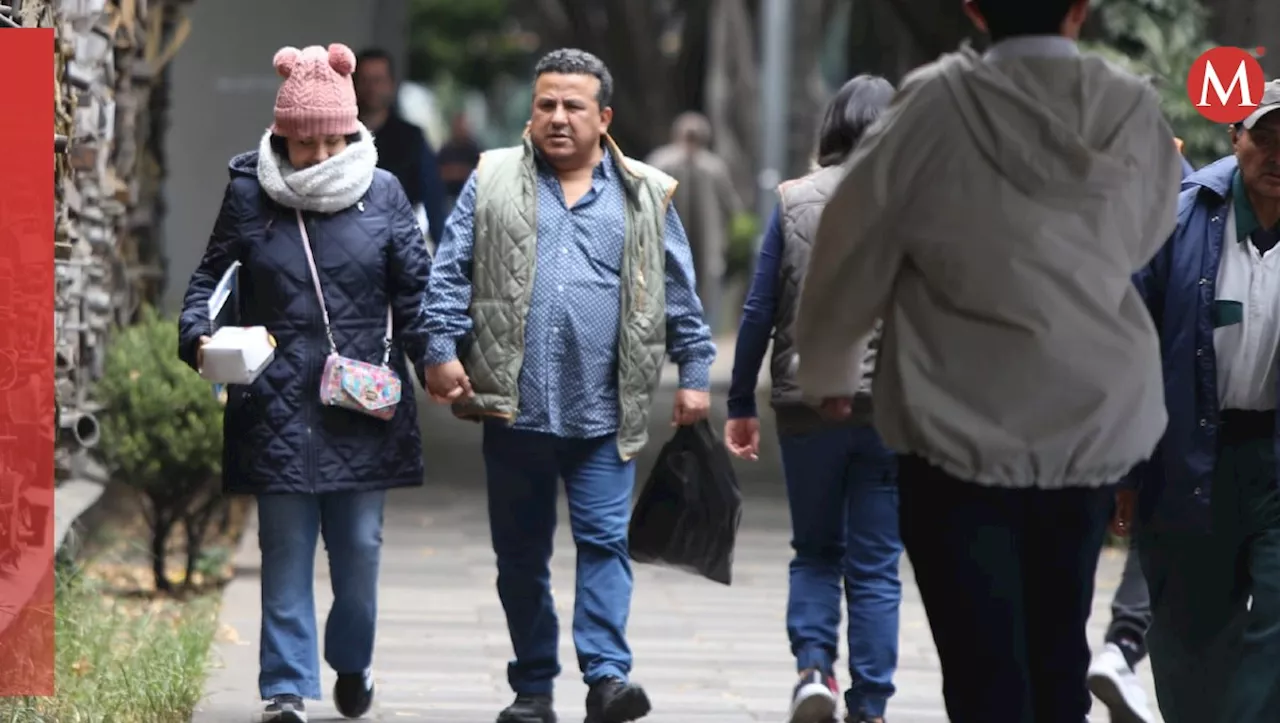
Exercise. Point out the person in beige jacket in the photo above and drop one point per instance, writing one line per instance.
(993, 219)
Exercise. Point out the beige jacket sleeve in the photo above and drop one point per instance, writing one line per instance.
(855, 256)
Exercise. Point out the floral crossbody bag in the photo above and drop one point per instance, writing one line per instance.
(372, 389)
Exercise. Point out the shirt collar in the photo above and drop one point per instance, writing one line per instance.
(1034, 46)
(1246, 220)
(604, 170)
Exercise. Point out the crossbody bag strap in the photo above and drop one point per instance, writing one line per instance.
(324, 311)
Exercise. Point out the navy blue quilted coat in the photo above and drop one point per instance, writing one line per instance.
(279, 438)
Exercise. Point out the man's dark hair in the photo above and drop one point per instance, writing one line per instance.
(377, 54)
(571, 61)
(1011, 18)
(852, 110)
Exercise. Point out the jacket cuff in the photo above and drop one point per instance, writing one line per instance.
(441, 350)
(187, 352)
(696, 376)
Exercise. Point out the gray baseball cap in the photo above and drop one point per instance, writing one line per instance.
(1270, 102)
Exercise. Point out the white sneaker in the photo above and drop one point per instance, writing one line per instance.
(814, 699)
(1117, 686)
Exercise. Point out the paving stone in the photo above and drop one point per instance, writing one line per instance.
(707, 653)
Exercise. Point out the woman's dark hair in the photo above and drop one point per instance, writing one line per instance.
(857, 105)
(281, 146)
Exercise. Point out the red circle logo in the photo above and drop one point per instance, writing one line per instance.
(1225, 84)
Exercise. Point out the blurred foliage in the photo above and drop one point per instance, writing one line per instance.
(162, 434)
(1161, 39)
(744, 231)
(471, 41)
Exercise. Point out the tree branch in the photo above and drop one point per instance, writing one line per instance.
(690, 65)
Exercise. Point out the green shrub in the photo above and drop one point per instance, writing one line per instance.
(744, 231)
(1161, 39)
(162, 434)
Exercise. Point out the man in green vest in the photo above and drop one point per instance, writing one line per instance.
(563, 278)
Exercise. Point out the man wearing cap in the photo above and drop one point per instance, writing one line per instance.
(1207, 526)
(1113, 676)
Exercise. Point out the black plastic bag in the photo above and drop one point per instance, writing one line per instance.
(688, 513)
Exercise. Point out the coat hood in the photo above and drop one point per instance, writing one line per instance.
(244, 164)
(1041, 142)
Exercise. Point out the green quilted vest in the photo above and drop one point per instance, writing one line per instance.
(502, 270)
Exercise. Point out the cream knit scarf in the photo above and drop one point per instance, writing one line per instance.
(327, 187)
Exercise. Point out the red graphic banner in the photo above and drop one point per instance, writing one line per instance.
(27, 418)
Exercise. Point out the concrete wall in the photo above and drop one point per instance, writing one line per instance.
(223, 91)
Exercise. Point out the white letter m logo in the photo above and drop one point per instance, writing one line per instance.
(1241, 79)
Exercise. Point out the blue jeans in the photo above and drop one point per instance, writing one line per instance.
(351, 523)
(522, 469)
(842, 488)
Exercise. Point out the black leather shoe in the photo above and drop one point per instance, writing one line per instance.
(529, 709)
(353, 694)
(614, 701)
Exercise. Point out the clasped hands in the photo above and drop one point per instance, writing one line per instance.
(448, 383)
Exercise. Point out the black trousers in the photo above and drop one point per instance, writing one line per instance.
(1006, 577)
(1215, 655)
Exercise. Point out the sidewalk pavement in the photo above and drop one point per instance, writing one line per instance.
(706, 653)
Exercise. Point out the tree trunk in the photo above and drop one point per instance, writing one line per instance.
(160, 530)
(892, 37)
(1248, 24)
(733, 93)
(808, 93)
(197, 524)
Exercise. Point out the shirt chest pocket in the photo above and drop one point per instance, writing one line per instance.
(1227, 313)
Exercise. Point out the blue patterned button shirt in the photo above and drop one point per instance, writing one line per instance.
(568, 383)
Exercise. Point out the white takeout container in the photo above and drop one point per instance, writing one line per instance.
(237, 354)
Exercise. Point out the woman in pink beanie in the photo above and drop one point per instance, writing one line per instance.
(351, 285)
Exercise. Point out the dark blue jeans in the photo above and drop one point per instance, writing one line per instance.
(288, 526)
(523, 470)
(842, 487)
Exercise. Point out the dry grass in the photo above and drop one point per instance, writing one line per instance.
(121, 659)
(123, 653)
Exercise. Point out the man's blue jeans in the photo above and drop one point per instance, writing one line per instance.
(523, 469)
(842, 488)
(288, 526)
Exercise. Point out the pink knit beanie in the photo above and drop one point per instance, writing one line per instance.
(317, 97)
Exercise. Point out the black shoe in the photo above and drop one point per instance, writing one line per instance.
(284, 709)
(353, 694)
(613, 701)
(529, 709)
